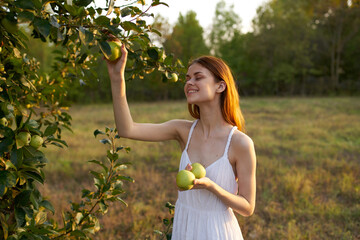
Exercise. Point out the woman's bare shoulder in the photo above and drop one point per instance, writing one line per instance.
(241, 140)
(241, 145)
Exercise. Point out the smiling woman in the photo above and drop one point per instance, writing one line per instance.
(216, 139)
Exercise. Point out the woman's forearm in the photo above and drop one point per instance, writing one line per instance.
(238, 203)
(123, 119)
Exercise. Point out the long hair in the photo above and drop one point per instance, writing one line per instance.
(230, 102)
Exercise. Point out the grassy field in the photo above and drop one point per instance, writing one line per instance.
(308, 168)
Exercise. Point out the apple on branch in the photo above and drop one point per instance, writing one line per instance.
(115, 47)
(36, 141)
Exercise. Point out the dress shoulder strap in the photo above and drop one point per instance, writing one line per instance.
(229, 140)
(190, 133)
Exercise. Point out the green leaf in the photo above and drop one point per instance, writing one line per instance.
(82, 3)
(157, 2)
(19, 216)
(97, 132)
(105, 48)
(100, 164)
(26, 16)
(71, 9)
(169, 60)
(125, 11)
(50, 130)
(112, 156)
(128, 26)
(4, 144)
(7, 179)
(156, 32)
(52, 139)
(43, 26)
(127, 178)
(34, 201)
(103, 206)
(25, 4)
(23, 198)
(9, 165)
(78, 233)
(122, 201)
(35, 176)
(105, 141)
(47, 205)
(37, 4)
(102, 21)
(153, 53)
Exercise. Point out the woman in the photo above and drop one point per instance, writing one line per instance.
(215, 139)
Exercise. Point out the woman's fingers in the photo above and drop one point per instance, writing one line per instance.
(188, 167)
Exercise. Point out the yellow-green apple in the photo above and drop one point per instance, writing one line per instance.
(36, 141)
(23, 139)
(4, 121)
(115, 50)
(174, 77)
(185, 179)
(198, 170)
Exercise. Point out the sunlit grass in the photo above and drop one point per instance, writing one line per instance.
(308, 168)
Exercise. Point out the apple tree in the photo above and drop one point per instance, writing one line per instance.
(33, 105)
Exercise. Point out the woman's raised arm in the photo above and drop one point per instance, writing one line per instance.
(124, 123)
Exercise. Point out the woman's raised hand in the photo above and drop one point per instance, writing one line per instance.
(116, 68)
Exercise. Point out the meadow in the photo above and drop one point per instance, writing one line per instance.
(308, 168)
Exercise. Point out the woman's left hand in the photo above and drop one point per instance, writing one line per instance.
(203, 183)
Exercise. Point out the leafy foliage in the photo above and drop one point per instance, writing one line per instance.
(167, 223)
(35, 105)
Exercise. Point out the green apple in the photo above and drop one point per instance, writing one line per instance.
(185, 179)
(23, 139)
(115, 50)
(36, 141)
(198, 170)
(4, 121)
(174, 77)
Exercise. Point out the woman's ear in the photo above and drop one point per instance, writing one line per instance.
(221, 87)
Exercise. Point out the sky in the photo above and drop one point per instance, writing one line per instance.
(205, 10)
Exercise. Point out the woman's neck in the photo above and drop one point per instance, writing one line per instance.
(211, 120)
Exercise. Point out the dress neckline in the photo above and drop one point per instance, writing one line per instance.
(225, 151)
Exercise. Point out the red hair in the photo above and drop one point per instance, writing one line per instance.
(230, 106)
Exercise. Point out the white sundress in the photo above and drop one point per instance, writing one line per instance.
(201, 215)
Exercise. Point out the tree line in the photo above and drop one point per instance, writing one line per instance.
(304, 47)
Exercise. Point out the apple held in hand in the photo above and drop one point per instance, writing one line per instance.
(36, 141)
(198, 170)
(185, 179)
(115, 50)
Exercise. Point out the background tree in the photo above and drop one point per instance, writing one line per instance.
(186, 40)
(226, 24)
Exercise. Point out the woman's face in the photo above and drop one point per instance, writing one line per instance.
(200, 84)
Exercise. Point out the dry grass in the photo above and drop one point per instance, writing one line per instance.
(308, 172)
